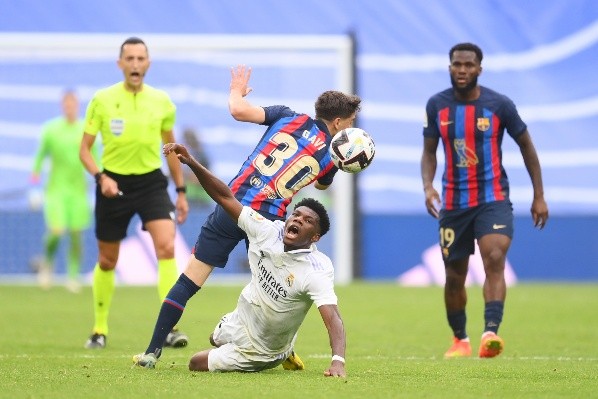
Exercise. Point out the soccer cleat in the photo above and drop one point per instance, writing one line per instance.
(176, 339)
(491, 345)
(72, 285)
(44, 272)
(293, 362)
(96, 341)
(460, 348)
(147, 360)
(44, 278)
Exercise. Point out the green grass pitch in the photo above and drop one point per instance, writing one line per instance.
(396, 337)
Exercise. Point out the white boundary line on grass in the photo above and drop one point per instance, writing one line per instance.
(539, 358)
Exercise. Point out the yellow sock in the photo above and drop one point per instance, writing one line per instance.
(167, 276)
(103, 290)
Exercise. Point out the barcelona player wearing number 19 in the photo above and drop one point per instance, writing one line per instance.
(291, 154)
(471, 120)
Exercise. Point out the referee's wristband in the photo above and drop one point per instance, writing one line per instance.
(181, 189)
(339, 358)
(98, 177)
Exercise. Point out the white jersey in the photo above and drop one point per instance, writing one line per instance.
(283, 284)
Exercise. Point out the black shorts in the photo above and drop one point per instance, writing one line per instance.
(219, 235)
(145, 195)
(460, 228)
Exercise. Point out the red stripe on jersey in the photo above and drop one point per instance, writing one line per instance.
(239, 180)
(443, 116)
(288, 129)
(291, 127)
(496, 187)
(472, 168)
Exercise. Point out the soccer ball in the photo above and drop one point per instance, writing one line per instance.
(352, 150)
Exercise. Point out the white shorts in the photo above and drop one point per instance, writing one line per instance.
(235, 351)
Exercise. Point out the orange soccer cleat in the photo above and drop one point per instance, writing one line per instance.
(460, 348)
(491, 345)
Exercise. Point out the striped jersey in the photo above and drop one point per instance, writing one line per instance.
(472, 133)
(292, 153)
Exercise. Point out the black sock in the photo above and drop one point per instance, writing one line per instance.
(457, 321)
(493, 312)
(171, 312)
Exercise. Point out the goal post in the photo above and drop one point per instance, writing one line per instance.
(317, 62)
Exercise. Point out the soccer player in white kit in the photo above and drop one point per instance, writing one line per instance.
(288, 274)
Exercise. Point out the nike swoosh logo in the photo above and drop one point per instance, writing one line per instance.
(445, 123)
(498, 226)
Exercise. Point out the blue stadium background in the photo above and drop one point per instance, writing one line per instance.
(542, 54)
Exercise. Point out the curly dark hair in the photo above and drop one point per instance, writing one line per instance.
(318, 208)
(467, 47)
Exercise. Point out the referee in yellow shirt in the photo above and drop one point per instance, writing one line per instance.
(134, 120)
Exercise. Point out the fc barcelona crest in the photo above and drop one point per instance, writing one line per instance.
(483, 124)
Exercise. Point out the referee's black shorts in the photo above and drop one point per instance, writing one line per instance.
(145, 195)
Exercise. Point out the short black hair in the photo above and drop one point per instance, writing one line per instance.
(318, 208)
(467, 47)
(131, 40)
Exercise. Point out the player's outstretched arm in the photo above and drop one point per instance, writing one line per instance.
(215, 187)
(336, 333)
(241, 109)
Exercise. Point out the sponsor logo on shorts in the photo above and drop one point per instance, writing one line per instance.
(445, 252)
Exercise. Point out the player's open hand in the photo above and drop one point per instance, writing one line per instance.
(180, 151)
(182, 209)
(239, 80)
(539, 212)
(432, 199)
(337, 369)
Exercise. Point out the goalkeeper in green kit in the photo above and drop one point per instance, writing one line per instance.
(67, 207)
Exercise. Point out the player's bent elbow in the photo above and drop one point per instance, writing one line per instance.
(199, 361)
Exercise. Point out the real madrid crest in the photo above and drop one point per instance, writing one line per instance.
(290, 280)
(483, 124)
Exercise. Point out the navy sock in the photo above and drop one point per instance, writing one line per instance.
(171, 312)
(457, 321)
(493, 315)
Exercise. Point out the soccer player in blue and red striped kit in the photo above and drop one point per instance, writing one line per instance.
(292, 153)
(471, 120)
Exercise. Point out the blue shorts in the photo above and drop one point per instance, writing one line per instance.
(219, 235)
(460, 228)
